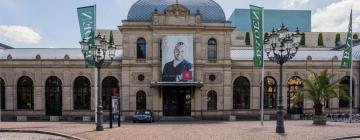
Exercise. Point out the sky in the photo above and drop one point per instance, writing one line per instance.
(54, 24)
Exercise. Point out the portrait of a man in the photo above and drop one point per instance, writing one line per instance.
(177, 58)
(178, 68)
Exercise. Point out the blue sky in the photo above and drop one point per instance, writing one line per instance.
(54, 24)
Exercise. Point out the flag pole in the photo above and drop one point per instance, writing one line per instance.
(351, 88)
(262, 74)
(95, 71)
(351, 70)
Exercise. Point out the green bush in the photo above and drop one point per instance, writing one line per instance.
(247, 38)
(302, 40)
(320, 40)
(337, 38)
(355, 36)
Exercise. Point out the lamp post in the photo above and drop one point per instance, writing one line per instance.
(96, 54)
(281, 46)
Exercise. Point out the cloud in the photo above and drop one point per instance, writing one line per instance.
(19, 34)
(335, 17)
(290, 3)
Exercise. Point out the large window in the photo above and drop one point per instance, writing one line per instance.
(53, 95)
(2, 93)
(270, 92)
(345, 103)
(82, 93)
(140, 100)
(141, 48)
(294, 83)
(110, 87)
(212, 100)
(241, 91)
(25, 93)
(212, 52)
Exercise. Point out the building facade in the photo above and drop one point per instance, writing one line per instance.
(219, 80)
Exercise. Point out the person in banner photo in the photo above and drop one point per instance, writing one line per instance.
(179, 69)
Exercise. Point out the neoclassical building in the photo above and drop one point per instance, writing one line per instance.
(222, 81)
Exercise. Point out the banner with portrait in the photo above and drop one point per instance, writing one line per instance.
(177, 58)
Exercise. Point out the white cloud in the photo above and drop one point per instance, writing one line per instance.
(290, 3)
(19, 34)
(335, 17)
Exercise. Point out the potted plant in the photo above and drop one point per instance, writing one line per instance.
(319, 88)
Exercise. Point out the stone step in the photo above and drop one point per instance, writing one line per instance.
(170, 118)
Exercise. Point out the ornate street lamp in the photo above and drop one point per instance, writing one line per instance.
(281, 46)
(96, 55)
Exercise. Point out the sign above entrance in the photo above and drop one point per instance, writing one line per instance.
(177, 58)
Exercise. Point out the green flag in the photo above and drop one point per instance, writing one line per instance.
(256, 15)
(87, 22)
(347, 56)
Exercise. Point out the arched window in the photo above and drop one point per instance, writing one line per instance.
(294, 83)
(241, 91)
(2, 93)
(110, 87)
(53, 95)
(212, 100)
(344, 103)
(141, 48)
(212, 49)
(140, 100)
(82, 93)
(25, 93)
(270, 90)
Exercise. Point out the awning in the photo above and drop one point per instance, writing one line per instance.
(176, 84)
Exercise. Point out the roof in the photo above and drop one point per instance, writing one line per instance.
(240, 54)
(236, 54)
(5, 46)
(142, 10)
(342, 45)
(48, 53)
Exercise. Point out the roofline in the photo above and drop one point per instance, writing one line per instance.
(6, 46)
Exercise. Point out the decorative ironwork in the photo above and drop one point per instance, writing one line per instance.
(280, 47)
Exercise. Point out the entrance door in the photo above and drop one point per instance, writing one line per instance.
(177, 101)
(53, 97)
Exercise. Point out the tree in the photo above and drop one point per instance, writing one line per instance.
(320, 40)
(337, 38)
(355, 36)
(111, 41)
(247, 38)
(319, 88)
(302, 40)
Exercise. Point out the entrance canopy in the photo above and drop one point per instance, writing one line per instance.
(177, 84)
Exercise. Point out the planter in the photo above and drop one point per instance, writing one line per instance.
(319, 120)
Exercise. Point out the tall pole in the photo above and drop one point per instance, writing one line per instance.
(1, 98)
(280, 113)
(262, 75)
(351, 91)
(262, 93)
(96, 92)
(99, 123)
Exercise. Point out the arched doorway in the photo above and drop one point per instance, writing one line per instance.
(110, 87)
(344, 103)
(82, 93)
(294, 83)
(270, 90)
(53, 95)
(2, 93)
(241, 93)
(25, 93)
